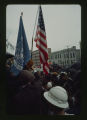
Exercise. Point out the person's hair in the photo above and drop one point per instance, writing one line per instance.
(28, 65)
(55, 109)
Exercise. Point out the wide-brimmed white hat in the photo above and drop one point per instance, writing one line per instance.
(57, 96)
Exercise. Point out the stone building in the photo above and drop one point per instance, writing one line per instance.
(66, 57)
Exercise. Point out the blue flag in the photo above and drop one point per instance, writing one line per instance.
(22, 53)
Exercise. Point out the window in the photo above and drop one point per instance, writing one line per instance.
(71, 61)
(73, 54)
(67, 55)
(64, 55)
(55, 56)
(70, 55)
(60, 55)
(67, 62)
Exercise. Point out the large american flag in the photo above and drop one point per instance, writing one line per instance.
(41, 42)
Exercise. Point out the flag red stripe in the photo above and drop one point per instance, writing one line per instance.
(45, 69)
(41, 59)
(41, 34)
(44, 44)
(46, 64)
(44, 53)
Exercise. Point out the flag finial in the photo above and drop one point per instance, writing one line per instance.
(21, 13)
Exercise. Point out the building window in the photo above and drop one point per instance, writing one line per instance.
(74, 55)
(71, 61)
(67, 55)
(55, 56)
(60, 55)
(64, 55)
(67, 62)
(70, 55)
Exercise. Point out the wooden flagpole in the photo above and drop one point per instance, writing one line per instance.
(33, 33)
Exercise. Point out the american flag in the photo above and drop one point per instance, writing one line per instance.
(41, 42)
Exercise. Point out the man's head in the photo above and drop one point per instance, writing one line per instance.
(25, 77)
(63, 75)
(29, 65)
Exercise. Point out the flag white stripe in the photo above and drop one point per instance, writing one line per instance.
(46, 68)
(44, 48)
(40, 30)
(42, 56)
(42, 39)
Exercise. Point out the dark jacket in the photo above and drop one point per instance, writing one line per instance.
(27, 101)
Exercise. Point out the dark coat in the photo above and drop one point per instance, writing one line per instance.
(27, 101)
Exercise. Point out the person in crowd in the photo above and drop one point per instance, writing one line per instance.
(54, 78)
(46, 86)
(27, 100)
(49, 85)
(76, 109)
(38, 81)
(62, 79)
(11, 79)
(67, 83)
(29, 66)
(9, 61)
(57, 99)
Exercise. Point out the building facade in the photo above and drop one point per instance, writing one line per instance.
(66, 57)
(36, 57)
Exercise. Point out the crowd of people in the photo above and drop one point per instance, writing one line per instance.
(33, 92)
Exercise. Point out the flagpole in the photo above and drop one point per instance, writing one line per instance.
(21, 14)
(34, 32)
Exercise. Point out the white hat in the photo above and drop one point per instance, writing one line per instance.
(57, 96)
(49, 84)
(35, 70)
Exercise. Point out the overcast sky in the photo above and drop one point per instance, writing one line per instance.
(62, 24)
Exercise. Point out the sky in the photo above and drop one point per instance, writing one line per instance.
(62, 24)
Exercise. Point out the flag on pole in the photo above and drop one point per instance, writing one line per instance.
(22, 53)
(41, 42)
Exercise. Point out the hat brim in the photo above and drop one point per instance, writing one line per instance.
(55, 103)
